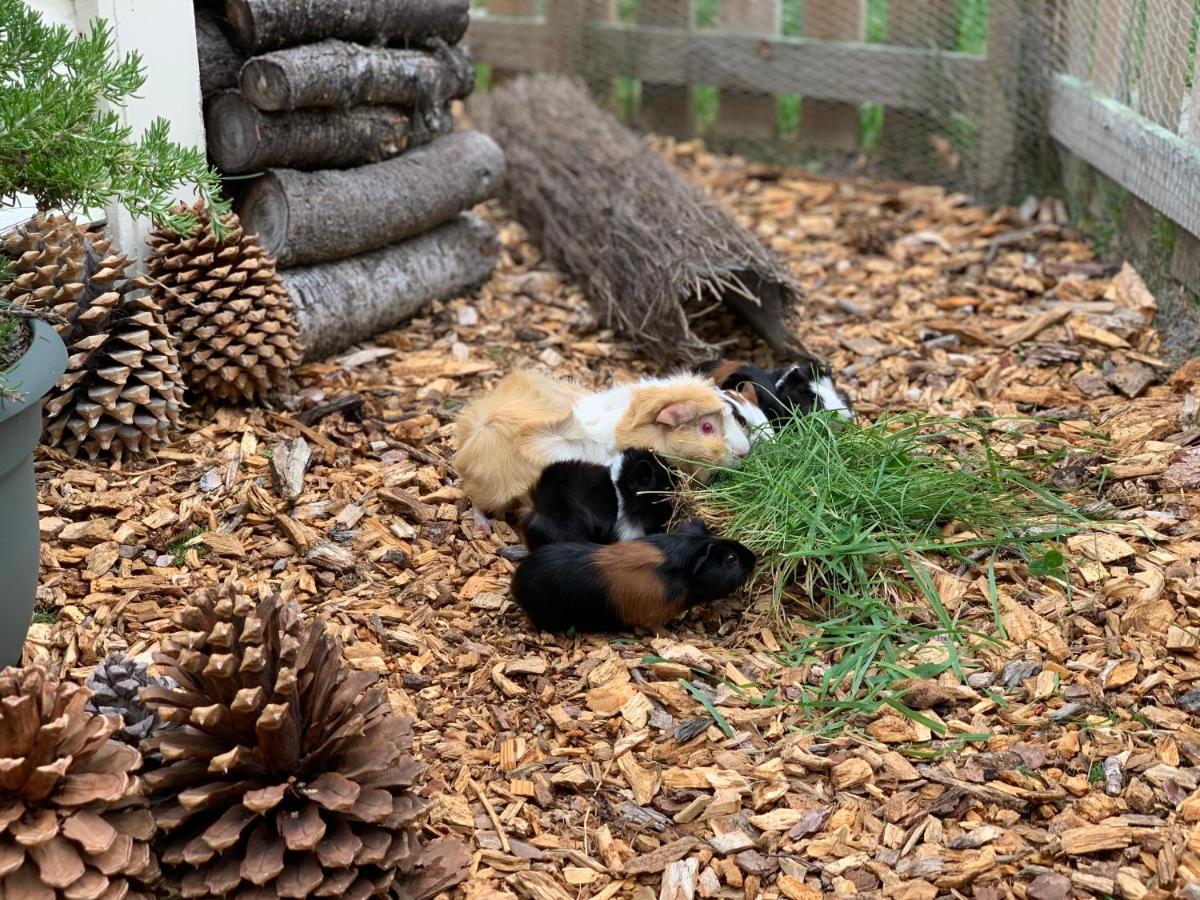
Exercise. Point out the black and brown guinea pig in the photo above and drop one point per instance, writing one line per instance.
(582, 502)
(803, 386)
(629, 584)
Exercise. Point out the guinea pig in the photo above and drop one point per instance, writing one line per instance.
(645, 487)
(806, 386)
(629, 584)
(753, 383)
(802, 387)
(528, 421)
(583, 502)
(745, 411)
(681, 416)
(573, 502)
(500, 434)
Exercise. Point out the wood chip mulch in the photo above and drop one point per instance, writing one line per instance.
(575, 768)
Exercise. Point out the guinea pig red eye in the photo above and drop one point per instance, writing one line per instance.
(707, 428)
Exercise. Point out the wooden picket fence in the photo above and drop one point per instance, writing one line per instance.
(747, 58)
(1117, 83)
(1127, 98)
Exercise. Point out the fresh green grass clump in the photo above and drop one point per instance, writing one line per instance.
(853, 519)
(832, 505)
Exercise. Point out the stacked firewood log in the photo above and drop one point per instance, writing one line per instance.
(361, 190)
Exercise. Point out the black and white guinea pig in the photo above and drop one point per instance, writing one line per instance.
(803, 386)
(590, 503)
(629, 584)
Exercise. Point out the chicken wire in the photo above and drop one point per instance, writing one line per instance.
(950, 92)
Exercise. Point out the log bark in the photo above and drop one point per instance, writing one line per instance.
(653, 251)
(220, 61)
(339, 304)
(270, 24)
(244, 139)
(307, 217)
(335, 74)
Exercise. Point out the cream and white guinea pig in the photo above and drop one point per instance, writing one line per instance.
(682, 416)
(529, 420)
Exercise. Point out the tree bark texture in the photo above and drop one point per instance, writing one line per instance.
(341, 303)
(270, 24)
(308, 217)
(220, 61)
(244, 139)
(336, 74)
(653, 251)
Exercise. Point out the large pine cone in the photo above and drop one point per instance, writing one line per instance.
(73, 820)
(290, 775)
(116, 687)
(122, 392)
(230, 309)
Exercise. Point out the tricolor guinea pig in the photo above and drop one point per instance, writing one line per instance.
(583, 502)
(802, 387)
(507, 437)
(744, 408)
(629, 584)
(680, 416)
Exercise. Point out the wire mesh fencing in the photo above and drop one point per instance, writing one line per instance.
(953, 92)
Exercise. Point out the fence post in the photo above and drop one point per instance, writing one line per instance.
(1075, 34)
(1190, 125)
(998, 99)
(933, 25)
(565, 21)
(1113, 41)
(1165, 61)
(172, 88)
(824, 123)
(576, 46)
(747, 114)
(507, 8)
(666, 109)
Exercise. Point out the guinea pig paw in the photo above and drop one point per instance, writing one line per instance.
(482, 522)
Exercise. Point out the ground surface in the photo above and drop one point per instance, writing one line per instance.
(576, 769)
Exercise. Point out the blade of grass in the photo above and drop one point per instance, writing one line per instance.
(704, 701)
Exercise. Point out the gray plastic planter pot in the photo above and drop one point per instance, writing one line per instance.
(20, 427)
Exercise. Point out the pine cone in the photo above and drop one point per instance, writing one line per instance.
(290, 775)
(230, 309)
(116, 687)
(122, 391)
(73, 820)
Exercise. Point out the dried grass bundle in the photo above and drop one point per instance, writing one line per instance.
(652, 250)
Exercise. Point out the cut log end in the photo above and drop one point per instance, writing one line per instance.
(234, 140)
(268, 84)
(241, 138)
(241, 18)
(339, 74)
(263, 210)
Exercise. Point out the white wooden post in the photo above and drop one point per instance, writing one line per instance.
(164, 33)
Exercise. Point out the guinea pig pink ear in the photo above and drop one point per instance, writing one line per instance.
(676, 414)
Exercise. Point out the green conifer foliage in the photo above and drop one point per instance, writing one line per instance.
(61, 137)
